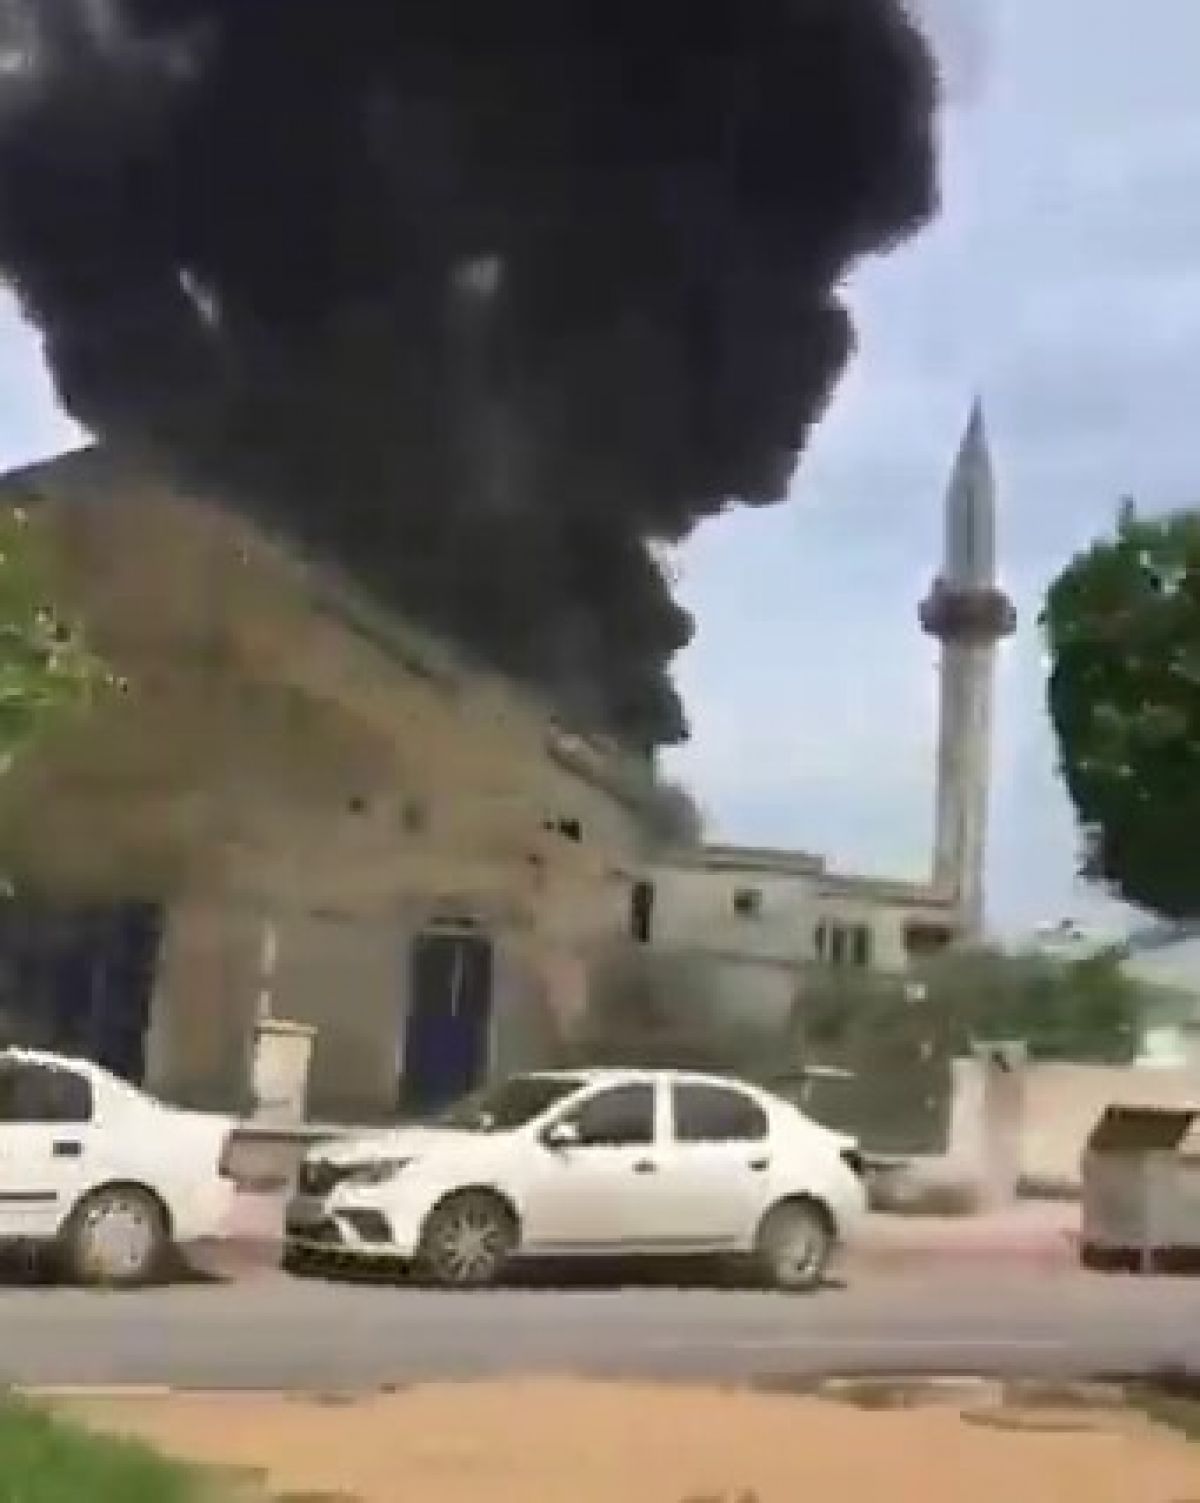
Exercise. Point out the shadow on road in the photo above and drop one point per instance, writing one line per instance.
(25, 1268)
(28, 1267)
(573, 1273)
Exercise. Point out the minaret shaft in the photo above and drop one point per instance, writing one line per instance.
(964, 777)
(968, 614)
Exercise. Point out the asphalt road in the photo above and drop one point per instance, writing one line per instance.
(273, 1332)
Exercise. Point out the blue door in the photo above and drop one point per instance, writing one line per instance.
(448, 1028)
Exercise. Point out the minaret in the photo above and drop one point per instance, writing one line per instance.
(968, 613)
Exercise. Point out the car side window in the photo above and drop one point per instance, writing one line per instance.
(716, 1114)
(615, 1118)
(31, 1093)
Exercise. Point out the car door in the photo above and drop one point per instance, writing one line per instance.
(600, 1193)
(45, 1127)
(715, 1168)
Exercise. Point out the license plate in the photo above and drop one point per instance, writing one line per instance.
(305, 1210)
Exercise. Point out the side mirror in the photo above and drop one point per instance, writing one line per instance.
(561, 1135)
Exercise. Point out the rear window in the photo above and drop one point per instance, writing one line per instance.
(716, 1114)
(32, 1092)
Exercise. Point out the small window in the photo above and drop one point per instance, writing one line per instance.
(37, 1093)
(837, 945)
(569, 829)
(860, 946)
(717, 1114)
(821, 940)
(615, 1118)
(414, 816)
(748, 902)
(926, 939)
(641, 912)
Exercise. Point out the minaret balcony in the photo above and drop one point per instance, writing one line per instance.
(971, 614)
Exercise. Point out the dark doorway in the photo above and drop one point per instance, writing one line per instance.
(447, 1032)
(79, 979)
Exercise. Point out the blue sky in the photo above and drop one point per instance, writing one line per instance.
(1063, 281)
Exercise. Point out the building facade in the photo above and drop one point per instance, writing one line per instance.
(767, 922)
(300, 807)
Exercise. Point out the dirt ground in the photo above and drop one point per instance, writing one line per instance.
(577, 1442)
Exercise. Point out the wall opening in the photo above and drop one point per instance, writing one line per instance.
(78, 979)
(844, 944)
(748, 902)
(923, 939)
(447, 1030)
(641, 912)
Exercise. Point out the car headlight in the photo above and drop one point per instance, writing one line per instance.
(377, 1172)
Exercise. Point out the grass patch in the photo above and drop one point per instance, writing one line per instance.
(1176, 1411)
(44, 1459)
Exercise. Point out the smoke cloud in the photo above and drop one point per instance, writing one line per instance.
(478, 298)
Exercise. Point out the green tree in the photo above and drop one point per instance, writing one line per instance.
(1087, 1010)
(1122, 626)
(46, 667)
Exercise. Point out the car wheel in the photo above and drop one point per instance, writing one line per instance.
(467, 1241)
(298, 1261)
(117, 1238)
(794, 1245)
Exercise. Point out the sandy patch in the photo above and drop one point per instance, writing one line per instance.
(577, 1442)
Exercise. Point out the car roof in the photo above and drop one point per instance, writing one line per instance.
(35, 1056)
(53, 1061)
(629, 1074)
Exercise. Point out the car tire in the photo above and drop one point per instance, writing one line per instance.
(794, 1244)
(117, 1238)
(297, 1261)
(467, 1241)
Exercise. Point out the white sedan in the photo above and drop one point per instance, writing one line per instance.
(585, 1163)
(103, 1175)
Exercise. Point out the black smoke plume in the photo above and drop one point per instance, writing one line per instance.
(478, 298)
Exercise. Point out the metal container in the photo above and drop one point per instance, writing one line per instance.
(1141, 1188)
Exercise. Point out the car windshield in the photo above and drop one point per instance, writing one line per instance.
(503, 1107)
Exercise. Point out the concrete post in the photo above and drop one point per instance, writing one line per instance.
(279, 1074)
(987, 1120)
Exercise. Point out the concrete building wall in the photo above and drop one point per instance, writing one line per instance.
(198, 1047)
(286, 754)
(792, 898)
(694, 905)
(885, 924)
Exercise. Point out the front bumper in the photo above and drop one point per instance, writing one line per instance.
(347, 1228)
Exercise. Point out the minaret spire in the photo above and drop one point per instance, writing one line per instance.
(968, 613)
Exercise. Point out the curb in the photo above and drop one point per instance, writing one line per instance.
(943, 1386)
(44, 1392)
(1060, 1253)
(946, 1388)
(898, 1389)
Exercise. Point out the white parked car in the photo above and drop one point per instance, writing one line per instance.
(97, 1171)
(589, 1163)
